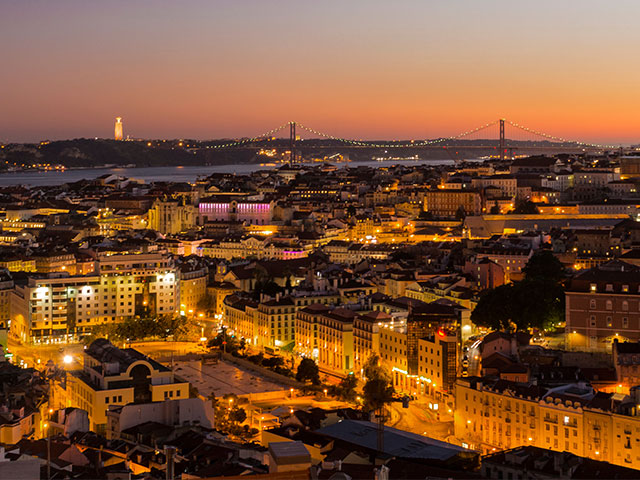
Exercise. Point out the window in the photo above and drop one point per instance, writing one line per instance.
(593, 320)
(609, 305)
(592, 304)
(625, 322)
(609, 321)
(625, 306)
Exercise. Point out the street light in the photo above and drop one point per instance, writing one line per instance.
(67, 359)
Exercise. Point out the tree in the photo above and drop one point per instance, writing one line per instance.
(346, 390)
(495, 209)
(526, 207)
(377, 393)
(495, 308)
(225, 342)
(378, 389)
(308, 371)
(237, 415)
(206, 304)
(535, 302)
(544, 266)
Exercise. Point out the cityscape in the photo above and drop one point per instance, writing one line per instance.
(433, 272)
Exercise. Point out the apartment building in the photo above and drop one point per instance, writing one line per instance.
(335, 341)
(438, 362)
(506, 184)
(602, 305)
(279, 315)
(306, 330)
(496, 415)
(393, 352)
(57, 306)
(445, 203)
(113, 376)
(512, 260)
(241, 318)
(261, 248)
(366, 336)
(193, 288)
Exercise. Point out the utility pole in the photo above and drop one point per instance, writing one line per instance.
(380, 415)
(292, 142)
(502, 139)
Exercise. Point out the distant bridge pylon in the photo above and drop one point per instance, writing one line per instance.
(481, 137)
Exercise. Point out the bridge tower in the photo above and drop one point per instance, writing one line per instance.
(292, 142)
(502, 139)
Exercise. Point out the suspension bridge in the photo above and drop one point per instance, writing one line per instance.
(501, 135)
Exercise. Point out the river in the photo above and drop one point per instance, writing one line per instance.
(167, 174)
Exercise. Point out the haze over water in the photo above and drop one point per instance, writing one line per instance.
(170, 174)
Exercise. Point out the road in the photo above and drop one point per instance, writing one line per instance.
(419, 419)
(38, 355)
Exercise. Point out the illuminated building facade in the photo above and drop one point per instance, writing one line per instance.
(113, 376)
(171, 216)
(193, 288)
(252, 213)
(603, 305)
(57, 306)
(498, 415)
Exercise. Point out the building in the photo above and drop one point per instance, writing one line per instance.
(223, 210)
(626, 360)
(496, 415)
(172, 216)
(240, 315)
(602, 305)
(446, 203)
(366, 336)
(118, 129)
(335, 341)
(438, 363)
(279, 317)
(193, 288)
(306, 330)
(57, 306)
(113, 376)
(255, 247)
(528, 463)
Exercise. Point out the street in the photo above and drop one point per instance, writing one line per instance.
(419, 419)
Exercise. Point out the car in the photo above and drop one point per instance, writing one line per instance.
(465, 362)
(465, 349)
(465, 372)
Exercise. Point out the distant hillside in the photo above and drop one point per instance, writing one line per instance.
(93, 153)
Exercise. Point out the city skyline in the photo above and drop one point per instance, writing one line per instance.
(369, 70)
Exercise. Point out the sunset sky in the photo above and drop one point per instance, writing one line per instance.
(353, 68)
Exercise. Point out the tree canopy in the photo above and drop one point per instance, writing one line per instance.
(378, 389)
(535, 302)
(308, 371)
(525, 207)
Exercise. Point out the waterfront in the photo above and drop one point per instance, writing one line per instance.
(168, 174)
